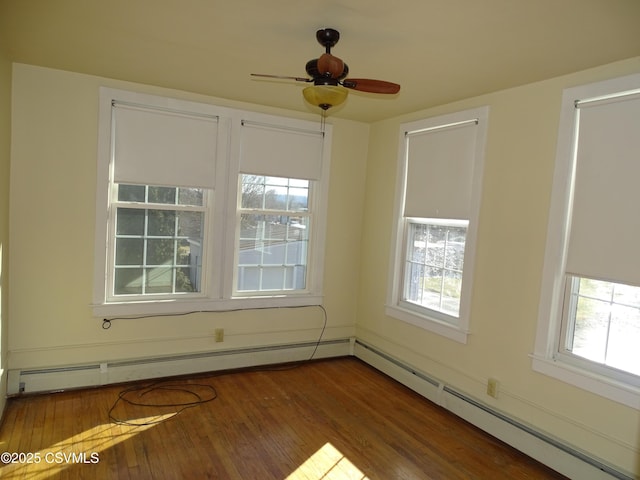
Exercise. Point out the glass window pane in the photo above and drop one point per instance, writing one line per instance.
(624, 337)
(626, 294)
(187, 280)
(414, 280)
(298, 199)
(296, 253)
(160, 251)
(596, 288)
(437, 234)
(161, 222)
(276, 181)
(252, 191)
(191, 196)
(131, 193)
(190, 224)
(128, 281)
(183, 256)
(297, 278)
(158, 280)
(273, 278)
(275, 198)
(129, 221)
(590, 331)
(129, 251)
(451, 288)
(166, 195)
(248, 278)
(454, 256)
(294, 182)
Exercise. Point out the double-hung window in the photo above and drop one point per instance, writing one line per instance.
(279, 223)
(437, 204)
(201, 207)
(589, 325)
(274, 234)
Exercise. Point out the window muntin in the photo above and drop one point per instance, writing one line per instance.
(434, 263)
(602, 324)
(273, 243)
(159, 233)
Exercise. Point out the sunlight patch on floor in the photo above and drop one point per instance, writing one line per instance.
(328, 463)
(82, 449)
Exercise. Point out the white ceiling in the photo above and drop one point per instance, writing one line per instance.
(438, 50)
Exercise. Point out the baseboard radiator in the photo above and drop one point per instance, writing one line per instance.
(549, 451)
(559, 456)
(81, 376)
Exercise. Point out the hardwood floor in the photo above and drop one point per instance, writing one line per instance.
(331, 419)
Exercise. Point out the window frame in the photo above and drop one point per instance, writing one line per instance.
(548, 357)
(309, 214)
(221, 215)
(453, 328)
(413, 306)
(145, 206)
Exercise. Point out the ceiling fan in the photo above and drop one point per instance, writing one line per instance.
(329, 76)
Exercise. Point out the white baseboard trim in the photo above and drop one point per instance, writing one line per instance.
(91, 375)
(563, 458)
(557, 455)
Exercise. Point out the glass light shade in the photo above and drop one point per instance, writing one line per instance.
(325, 96)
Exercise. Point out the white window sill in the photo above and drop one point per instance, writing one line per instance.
(439, 327)
(600, 385)
(183, 306)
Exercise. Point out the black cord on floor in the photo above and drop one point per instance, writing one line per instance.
(184, 387)
(129, 396)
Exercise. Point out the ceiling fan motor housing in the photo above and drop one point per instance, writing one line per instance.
(324, 78)
(327, 37)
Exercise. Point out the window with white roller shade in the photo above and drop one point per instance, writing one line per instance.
(589, 316)
(440, 167)
(605, 218)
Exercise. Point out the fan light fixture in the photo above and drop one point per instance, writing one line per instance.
(325, 96)
(329, 76)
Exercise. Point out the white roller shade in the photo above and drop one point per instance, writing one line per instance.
(160, 147)
(440, 164)
(605, 226)
(280, 151)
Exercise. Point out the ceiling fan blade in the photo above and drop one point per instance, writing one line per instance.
(372, 86)
(283, 77)
(328, 63)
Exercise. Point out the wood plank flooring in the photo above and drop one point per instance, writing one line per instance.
(331, 420)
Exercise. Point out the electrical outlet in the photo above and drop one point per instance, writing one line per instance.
(218, 333)
(492, 387)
